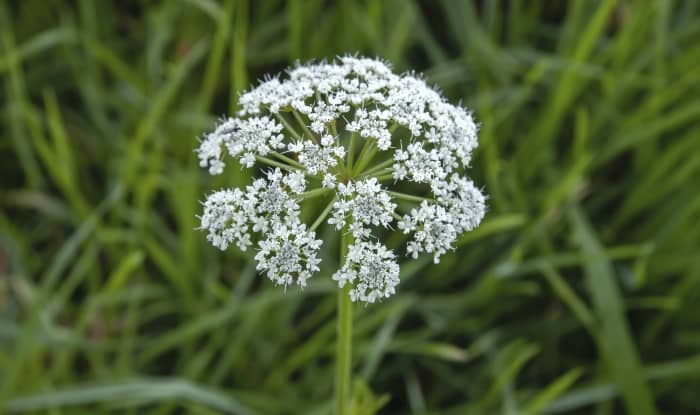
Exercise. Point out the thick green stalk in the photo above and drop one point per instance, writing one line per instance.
(343, 355)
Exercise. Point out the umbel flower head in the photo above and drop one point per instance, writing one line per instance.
(387, 151)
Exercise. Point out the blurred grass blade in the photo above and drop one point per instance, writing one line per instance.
(135, 391)
(60, 262)
(571, 299)
(437, 350)
(162, 100)
(551, 392)
(619, 350)
(493, 225)
(590, 395)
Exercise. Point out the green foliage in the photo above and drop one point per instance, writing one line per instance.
(577, 295)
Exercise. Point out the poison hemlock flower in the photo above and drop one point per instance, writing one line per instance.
(387, 152)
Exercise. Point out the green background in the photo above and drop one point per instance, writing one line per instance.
(578, 294)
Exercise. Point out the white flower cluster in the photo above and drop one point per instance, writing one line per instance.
(371, 269)
(243, 138)
(366, 203)
(318, 158)
(288, 252)
(353, 130)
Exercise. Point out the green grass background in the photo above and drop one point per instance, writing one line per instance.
(578, 294)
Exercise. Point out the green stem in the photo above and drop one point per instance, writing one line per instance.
(366, 155)
(363, 150)
(343, 356)
(289, 128)
(276, 163)
(323, 215)
(351, 152)
(288, 160)
(304, 127)
(313, 193)
(334, 129)
(405, 196)
(383, 165)
(385, 177)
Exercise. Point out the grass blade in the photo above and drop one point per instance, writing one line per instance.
(619, 350)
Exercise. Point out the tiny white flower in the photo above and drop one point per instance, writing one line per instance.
(329, 181)
(248, 160)
(296, 181)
